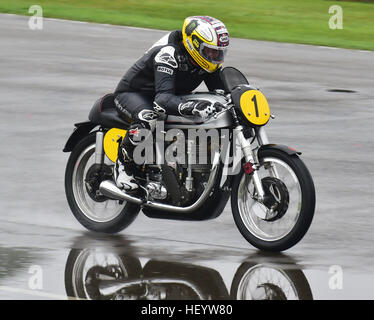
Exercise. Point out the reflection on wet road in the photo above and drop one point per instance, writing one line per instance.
(111, 272)
(83, 265)
(93, 266)
(39, 262)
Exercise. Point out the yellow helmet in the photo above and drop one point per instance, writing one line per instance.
(206, 39)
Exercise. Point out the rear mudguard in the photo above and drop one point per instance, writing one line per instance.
(104, 114)
(81, 130)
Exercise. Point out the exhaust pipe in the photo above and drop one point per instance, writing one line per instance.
(109, 189)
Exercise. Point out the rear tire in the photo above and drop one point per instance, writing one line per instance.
(305, 207)
(83, 205)
(77, 268)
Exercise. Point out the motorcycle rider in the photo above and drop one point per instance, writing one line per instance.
(175, 65)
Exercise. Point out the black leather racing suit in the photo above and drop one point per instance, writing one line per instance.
(161, 75)
(153, 85)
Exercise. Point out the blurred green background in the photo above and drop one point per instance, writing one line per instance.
(298, 21)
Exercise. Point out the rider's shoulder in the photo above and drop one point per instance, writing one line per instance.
(169, 48)
(169, 43)
(166, 55)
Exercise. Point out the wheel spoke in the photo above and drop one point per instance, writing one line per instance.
(279, 227)
(266, 282)
(96, 211)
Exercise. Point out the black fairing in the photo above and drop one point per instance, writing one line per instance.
(231, 78)
(104, 113)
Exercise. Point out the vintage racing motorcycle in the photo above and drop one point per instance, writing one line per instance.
(272, 192)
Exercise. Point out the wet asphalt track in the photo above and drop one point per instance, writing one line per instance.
(48, 81)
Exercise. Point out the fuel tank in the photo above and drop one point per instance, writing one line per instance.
(222, 119)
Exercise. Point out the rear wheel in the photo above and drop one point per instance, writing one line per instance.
(88, 269)
(288, 207)
(82, 179)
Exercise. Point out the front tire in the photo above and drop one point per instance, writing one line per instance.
(94, 212)
(269, 282)
(297, 202)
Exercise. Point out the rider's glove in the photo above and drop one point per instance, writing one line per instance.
(218, 107)
(199, 108)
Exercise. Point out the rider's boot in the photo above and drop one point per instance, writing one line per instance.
(125, 165)
(123, 172)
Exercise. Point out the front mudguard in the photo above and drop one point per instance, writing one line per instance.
(81, 130)
(286, 149)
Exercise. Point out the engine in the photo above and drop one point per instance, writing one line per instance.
(156, 190)
(180, 184)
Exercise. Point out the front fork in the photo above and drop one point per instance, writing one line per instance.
(251, 161)
(262, 139)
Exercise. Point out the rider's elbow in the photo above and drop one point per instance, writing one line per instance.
(167, 101)
(162, 98)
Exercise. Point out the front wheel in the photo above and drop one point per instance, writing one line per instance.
(285, 216)
(82, 179)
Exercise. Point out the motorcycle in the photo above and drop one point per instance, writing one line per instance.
(272, 191)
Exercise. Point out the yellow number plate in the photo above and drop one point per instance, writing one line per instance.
(255, 107)
(111, 140)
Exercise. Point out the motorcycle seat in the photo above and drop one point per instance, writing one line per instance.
(104, 113)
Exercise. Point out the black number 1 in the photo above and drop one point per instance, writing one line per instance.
(254, 99)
